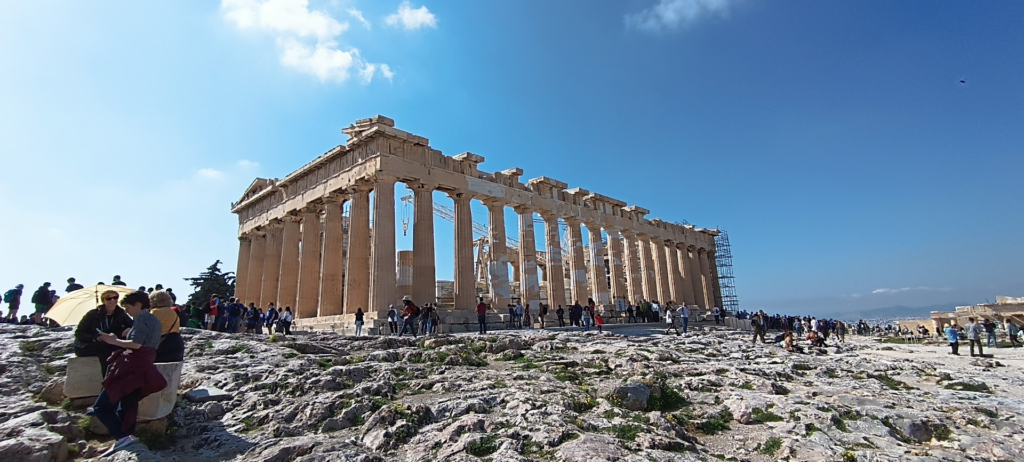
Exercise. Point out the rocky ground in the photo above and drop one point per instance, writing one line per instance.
(537, 395)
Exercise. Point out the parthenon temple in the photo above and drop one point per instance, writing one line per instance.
(298, 249)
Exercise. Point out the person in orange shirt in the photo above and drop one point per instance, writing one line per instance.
(599, 320)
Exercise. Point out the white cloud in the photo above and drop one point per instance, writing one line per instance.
(385, 70)
(369, 69)
(283, 16)
(210, 174)
(885, 290)
(245, 163)
(359, 15)
(671, 14)
(411, 18)
(295, 27)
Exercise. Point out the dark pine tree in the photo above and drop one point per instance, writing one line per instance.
(210, 282)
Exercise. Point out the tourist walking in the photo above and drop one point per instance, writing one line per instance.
(392, 320)
(684, 316)
(132, 374)
(1012, 331)
(990, 333)
(410, 315)
(755, 323)
(973, 331)
(13, 300)
(718, 314)
(630, 316)
(359, 321)
(599, 321)
(481, 315)
(953, 336)
(543, 314)
(41, 298)
(587, 318)
(519, 315)
(526, 321)
(674, 320)
(286, 320)
(560, 312)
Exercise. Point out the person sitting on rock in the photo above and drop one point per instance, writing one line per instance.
(789, 344)
(107, 318)
(816, 339)
(172, 347)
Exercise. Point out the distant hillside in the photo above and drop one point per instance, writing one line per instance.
(896, 311)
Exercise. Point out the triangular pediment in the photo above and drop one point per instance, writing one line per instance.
(254, 188)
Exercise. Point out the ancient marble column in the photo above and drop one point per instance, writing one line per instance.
(554, 273)
(424, 272)
(287, 292)
(497, 265)
(241, 279)
(405, 272)
(705, 274)
(577, 268)
(616, 266)
(682, 255)
(661, 269)
(465, 285)
(715, 283)
(647, 265)
(332, 266)
(597, 269)
(634, 285)
(529, 287)
(674, 282)
(254, 284)
(308, 297)
(271, 265)
(382, 257)
(695, 277)
(357, 284)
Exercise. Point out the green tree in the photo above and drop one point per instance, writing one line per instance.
(210, 282)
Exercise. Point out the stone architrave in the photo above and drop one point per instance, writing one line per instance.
(674, 280)
(647, 265)
(497, 265)
(705, 275)
(424, 271)
(308, 298)
(382, 257)
(634, 270)
(271, 265)
(577, 268)
(682, 255)
(616, 266)
(661, 270)
(333, 258)
(256, 256)
(597, 268)
(288, 290)
(465, 285)
(554, 274)
(357, 284)
(696, 279)
(529, 286)
(241, 278)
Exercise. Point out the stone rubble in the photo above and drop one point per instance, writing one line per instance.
(533, 395)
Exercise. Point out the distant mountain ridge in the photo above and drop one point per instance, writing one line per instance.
(895, 311)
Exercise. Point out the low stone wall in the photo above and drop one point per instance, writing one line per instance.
(84, 380)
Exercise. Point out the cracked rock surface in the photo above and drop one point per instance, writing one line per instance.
(535, 395)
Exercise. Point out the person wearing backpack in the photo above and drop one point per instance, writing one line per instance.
(13, 300)
(410, 314)
(41, 298)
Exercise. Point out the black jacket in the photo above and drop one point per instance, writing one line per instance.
(115, 324)
(42, 296)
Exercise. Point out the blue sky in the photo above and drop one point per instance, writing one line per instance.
(833, 140)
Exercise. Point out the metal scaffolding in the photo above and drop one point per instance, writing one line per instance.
(726, 279)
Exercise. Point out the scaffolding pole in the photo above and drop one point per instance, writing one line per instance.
(726, 278)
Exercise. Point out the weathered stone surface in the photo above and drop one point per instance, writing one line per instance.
(84, 377)
(633, 395)
(202, 395)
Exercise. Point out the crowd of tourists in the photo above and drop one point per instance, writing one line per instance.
(230, 315)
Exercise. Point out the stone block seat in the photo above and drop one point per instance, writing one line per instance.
(84, 381)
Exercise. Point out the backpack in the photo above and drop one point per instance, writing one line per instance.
(415, 310)
(9, 295)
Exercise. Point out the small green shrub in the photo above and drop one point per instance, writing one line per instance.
(941, 432)
(770, 446)
(582, 405)
(765, 416)
(716, 423)
(802, 367)
(483, 447)
(965, 386)
(324, 363)
(626, 432)
(746, 386)
(986, 412)
(29, 347)
(891, 383)
(849, 456)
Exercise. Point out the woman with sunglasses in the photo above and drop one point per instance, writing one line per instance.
(107, 318)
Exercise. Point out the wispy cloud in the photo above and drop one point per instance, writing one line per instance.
(885, 290)
(359, 16)
(410, 18)
(210, 174)
(672, 14)
(307, 39)
(245, 163)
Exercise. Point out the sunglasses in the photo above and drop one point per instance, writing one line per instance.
(109, 298)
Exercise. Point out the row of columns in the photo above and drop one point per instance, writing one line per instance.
(298, 261)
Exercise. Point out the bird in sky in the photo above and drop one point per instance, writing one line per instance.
(962, 81)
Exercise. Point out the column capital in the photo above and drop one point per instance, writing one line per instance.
(523, 209)
(628, 233)
(244, 238)
(643, 236)
(379, 177)
(657, 239)
(669, 242)
(691, 247)
(361, 185)
(291, 218)
(336, 197)
(493, 202)
(459, 195)
(275, 224)
(590, 225)
(571, 221)
(419, 185)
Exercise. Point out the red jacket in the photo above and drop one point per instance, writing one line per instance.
(132, 370)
